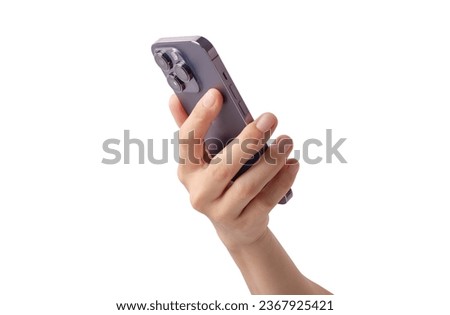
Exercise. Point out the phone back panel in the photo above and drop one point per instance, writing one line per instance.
(209, 72)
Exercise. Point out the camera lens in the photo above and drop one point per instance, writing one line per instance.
(183, 72)
(175, 83)
(163, 60)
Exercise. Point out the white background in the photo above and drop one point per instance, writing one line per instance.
(76, 235)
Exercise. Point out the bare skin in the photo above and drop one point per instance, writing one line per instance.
(240, 211)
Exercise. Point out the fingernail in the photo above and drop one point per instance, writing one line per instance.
(265, 122)
(293, 168)
(208, 99)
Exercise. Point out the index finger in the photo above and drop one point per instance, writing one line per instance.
(196, 125)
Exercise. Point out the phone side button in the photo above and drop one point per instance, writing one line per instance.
(241, 108)
(245, 113)
(233, 91)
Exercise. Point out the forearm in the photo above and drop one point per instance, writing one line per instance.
(268, 269)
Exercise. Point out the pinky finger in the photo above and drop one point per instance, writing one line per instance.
(275, 189)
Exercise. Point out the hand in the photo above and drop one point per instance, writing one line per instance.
(240, 210)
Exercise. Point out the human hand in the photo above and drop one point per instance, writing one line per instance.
(240, 210)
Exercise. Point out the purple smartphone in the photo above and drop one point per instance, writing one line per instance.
(192, 67)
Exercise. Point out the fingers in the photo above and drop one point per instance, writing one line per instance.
(272, 193)
(195, 126)
(177, 110)
(227, 163)
(251, 183)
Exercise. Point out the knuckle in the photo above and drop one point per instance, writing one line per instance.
(267, 203)
(245, 189)
(221, 173)
(220, 217)
(199, 116)
(198, 199)
(202, 113)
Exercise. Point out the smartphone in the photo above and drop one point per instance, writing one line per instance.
(192, 66)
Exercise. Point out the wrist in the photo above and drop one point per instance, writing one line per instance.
(263, 242)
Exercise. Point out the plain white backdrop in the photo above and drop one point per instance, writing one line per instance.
(76, 235)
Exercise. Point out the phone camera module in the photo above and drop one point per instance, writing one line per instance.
(183, 71)
(163, 60)
(175, 83)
